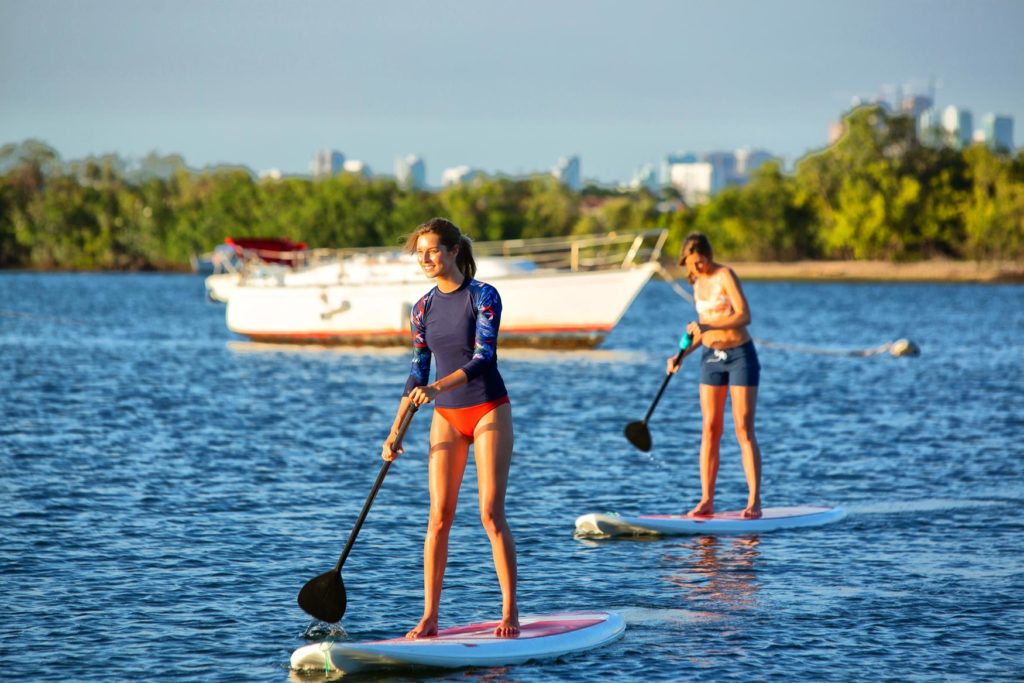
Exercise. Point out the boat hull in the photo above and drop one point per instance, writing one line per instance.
(546, 310)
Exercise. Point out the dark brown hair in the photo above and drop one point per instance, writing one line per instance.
(450, 237)
(695, 243)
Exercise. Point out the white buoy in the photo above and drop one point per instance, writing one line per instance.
(904, 347)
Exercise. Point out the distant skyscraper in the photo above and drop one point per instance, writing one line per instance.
(997, 131)
(698, 180)
(929, 128)
(457, 175)
(748, 161)
(835, 131)
(411, 172)
(356, 167)
(723, 165)
(327, 163)
(567, 172)
(694, 180)
(672, 159)
(914, 105)
(957, 126)
(645, 178)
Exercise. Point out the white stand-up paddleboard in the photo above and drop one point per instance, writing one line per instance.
(541, 637)
(597, 524)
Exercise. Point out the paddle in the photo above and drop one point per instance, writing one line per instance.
(324, 597)
(637, 432)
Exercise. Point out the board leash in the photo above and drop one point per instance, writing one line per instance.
(325, 649)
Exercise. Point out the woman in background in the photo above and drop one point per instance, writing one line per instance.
(729, 367)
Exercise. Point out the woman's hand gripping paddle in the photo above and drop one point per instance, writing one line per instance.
(324, 597)
(637, 432)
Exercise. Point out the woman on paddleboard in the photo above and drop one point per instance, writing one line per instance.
(729, 367)
(457, 322)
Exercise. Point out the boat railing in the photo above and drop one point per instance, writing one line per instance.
(292, 259)
(592, 252)
(610, 251)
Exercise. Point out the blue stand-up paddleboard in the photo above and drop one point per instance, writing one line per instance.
(541, 636)
(732, 522)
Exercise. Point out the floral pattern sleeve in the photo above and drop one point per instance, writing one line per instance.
(488, 318)
(419, 372)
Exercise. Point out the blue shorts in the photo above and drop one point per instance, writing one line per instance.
(737, 366)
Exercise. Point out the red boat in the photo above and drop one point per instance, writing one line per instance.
(268, 249)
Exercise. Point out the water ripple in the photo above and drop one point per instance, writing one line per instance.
(169, 488)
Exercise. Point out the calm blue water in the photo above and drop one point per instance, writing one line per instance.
(167, 489)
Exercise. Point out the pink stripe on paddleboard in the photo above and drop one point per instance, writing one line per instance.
(537, 629)
(768, 513)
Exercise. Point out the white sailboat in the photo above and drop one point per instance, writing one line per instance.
(555, 292)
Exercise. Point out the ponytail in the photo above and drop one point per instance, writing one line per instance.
(464, 259)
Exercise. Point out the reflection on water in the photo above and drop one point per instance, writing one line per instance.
(715, 570)
(404, 673)
(497, 673)
(310, 676)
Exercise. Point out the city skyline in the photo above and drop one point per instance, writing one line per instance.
(503, 90)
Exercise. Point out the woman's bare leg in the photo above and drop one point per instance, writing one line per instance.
(744, 405)
(492, 448)
(712, 407)
(447, 463)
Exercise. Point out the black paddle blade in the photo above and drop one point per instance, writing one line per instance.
(639, 435)
(324, 597)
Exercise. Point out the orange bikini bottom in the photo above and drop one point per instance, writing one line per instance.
(466, 419)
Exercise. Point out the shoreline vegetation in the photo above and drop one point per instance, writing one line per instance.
(933, 271)
(878, 204)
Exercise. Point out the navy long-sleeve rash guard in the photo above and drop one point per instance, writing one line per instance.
(461, 330)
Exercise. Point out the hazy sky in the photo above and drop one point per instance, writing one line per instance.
(504, 87)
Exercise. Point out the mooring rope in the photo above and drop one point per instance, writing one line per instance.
(899, 347)
(676, 287)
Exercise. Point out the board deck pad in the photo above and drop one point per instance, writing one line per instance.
(541, 636)
(731, 522)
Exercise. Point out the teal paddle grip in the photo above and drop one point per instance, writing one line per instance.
(685, 341)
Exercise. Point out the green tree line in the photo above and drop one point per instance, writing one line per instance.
(877, 193)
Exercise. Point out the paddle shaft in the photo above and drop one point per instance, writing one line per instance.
(406, 419)
(664, 383)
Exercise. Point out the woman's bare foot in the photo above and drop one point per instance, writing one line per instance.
(426, 628)
(705, 508)
(508, 627)
(752, 512)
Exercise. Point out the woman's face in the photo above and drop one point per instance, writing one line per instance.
(697, 265)
(434, 258)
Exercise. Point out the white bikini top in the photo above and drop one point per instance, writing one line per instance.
(710, 298)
